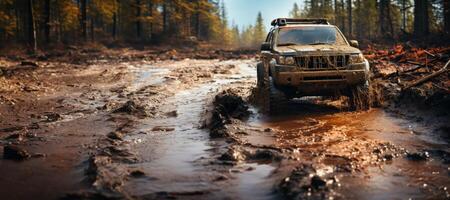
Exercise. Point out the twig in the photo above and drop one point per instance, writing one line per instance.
(442, 88)
(430, 54)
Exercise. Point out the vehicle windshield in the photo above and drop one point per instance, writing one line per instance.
(308, 35)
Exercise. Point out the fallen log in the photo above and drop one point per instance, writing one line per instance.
(427, 78)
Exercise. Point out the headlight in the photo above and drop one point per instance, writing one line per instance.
(356, 58)
(286, 60)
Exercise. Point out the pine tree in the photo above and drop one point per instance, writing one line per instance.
(295, 12)
(259, 31)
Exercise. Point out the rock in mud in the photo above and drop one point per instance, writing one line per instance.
(233, 154)
(115, 135)
(137, 173)
(17, 137)
(12, 152)
(132, 108)
(302, 183)
(418, 156)
(266, 155)
(172, 114)
(317, 182)
(105, 178)
(29, 63)
(52, 117)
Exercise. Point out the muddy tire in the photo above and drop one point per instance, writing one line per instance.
(359, 97)
(278, 100)
(270, 98)
(263, 84)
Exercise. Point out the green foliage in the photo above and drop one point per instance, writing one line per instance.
(259, 30)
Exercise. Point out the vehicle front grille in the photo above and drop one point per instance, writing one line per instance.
(323, 62)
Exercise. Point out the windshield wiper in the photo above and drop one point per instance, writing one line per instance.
(319, 43)
(286, 44)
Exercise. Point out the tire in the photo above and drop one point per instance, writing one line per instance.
(359, 97)
(278, 100)
(270, 98)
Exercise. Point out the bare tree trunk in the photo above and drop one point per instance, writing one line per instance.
(446, 6)
(92, 29)
(404, 15)
(114, 28)
(358, 19)
(197, 20)
(389, 18)
(165, 16)
(47, 21)
(350, 18)
(335, 12)
(84, 19)
(31, 28)
(342, 11)
(18, 31)
(150, 13)
(114, 25)
(421, 25)
(138, 19)
(385, 21)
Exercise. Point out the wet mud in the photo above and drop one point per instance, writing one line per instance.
(189, 129)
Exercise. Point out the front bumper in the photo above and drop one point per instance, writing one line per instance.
(320, 82)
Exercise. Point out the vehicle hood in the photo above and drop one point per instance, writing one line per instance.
(311, 50)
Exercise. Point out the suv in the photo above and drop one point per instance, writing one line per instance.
(310, 57)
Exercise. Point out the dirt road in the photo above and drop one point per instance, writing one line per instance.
(187, 129)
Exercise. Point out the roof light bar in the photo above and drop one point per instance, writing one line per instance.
(286, 21)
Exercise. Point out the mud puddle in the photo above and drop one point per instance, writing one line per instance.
(171, 148)
(333, 136)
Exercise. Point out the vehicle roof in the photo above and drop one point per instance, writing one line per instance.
(305, 25)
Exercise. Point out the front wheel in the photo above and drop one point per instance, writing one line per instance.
(270, 98)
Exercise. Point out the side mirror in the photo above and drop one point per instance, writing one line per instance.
(354, 43)
(266, 46)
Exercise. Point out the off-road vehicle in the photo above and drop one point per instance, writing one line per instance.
(310, 57)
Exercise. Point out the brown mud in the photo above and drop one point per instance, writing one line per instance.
(148, 129)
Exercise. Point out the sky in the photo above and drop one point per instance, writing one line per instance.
(244, 12)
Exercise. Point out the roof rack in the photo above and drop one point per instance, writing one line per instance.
(286, 21)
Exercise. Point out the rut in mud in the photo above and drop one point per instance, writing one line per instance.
(188, 129)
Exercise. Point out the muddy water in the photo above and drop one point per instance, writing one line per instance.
(173, 146)
(172, 156)
(179, 159)
(397, 179)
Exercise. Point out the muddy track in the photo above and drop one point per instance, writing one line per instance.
(188, 129)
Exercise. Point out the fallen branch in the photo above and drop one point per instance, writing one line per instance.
(427, 78)
(442, 88)
(430, 54)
